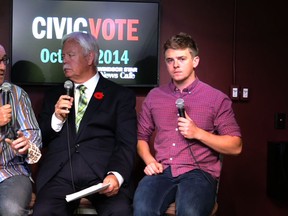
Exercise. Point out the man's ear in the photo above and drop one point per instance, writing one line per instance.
(90, 58)
(196, 61)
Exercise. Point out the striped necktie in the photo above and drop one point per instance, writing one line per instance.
(82, 104)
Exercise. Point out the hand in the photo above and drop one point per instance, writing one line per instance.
(153, 168)
(63, 106)
(187, 127)
(113, 188)
(5, 114)
(19, 145)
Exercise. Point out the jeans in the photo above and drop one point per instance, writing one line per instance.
(15, 195)
(194, 193)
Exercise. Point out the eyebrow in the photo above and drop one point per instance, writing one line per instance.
(4, 56)
(177, 57)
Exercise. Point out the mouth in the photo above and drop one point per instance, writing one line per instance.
(66, 70)
(177, 72)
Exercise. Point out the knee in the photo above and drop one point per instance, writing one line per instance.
(121, 212)
(193, 210)
(143, 209)
(139, 206)
(13, 209)
(42, 209)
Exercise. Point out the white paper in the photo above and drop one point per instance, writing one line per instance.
(85, 192)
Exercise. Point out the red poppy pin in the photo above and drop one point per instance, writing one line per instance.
(99, 95)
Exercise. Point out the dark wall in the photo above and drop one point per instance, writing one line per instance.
(261, 65)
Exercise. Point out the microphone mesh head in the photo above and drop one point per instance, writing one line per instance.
(6, 87)
(68, 84)
(179, 103)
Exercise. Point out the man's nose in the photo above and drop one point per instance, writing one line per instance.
(2, 65)
(176, 64)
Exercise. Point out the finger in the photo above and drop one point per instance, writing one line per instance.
(151, 168)
(23, 150)
(9, 141)
(20, 133)
(160, 168)
(187, 116)
(148, 171)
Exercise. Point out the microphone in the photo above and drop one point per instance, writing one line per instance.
(68, 85)
(6, 88)
(10, 133)
(180, 105)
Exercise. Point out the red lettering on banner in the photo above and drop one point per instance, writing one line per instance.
(131, 30)
(94, 30)
(120, 23)
(109, 29)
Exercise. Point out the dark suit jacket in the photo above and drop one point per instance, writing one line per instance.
(107, 135)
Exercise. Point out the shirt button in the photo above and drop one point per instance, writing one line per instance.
(173, 144)
(171, 159)
(176, 129)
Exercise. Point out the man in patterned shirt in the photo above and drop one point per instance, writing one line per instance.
(20, 139)
(185, 166)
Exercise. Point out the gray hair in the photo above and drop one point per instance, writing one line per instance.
(86, 40)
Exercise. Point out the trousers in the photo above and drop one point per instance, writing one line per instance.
(15, 195)
(194, 193)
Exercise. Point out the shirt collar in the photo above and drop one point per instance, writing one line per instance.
(187, 89)
(90, 84)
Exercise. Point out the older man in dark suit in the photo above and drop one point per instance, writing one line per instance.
(83, 151)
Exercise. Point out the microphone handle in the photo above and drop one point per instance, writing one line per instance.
(9, 132)
(68, 91)
(6, 97)
(181, 112)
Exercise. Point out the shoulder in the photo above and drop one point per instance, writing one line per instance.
(159, 91)
(18, 91)
(210, 90)
(15, 87)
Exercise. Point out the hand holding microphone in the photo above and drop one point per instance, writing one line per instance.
(64, 103)
(5, 114)
(5, 110)
(186, 126)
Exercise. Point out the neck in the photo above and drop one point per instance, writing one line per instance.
(181, 85)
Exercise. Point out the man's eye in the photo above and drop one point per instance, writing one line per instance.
(69, 55)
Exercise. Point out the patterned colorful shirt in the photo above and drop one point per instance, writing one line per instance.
(23, 118)
(208, 107)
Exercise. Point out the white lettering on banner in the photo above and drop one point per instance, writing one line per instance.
(53, 57)
(53, 24)
(129, 75)
(110, 75)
